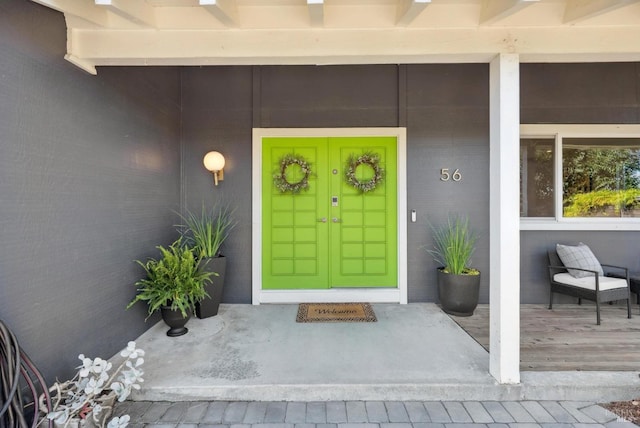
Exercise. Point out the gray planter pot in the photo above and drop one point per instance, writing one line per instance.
(458, 294)
(209, 306)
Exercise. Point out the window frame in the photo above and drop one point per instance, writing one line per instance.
(559, 132)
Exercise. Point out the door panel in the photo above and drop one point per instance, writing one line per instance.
(364, 241)
(294, 243)
(359, 248)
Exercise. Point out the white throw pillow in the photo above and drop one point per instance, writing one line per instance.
(579, 256)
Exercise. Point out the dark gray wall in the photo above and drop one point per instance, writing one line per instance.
(580, 93)
(89, 175)
(445, 108)
(577, 93)
(447, 127)
(217, 115)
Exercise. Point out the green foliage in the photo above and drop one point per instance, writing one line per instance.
(454, 244)
(174, 280)
(593, 203)
(205, 233)
(593, 169)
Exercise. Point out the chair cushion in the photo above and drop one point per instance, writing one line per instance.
(589, 282)
(579, 256)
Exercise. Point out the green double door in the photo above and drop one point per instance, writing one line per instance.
(331, 234)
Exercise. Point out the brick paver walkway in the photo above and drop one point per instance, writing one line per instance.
(370, 414)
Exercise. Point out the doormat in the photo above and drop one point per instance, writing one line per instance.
(335, 312)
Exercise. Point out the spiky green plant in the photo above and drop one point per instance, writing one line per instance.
(206, 233)
(173, 280)
(454, 244)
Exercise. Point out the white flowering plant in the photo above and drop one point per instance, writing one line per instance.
(87, 400)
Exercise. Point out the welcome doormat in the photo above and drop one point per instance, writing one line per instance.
(335, 312)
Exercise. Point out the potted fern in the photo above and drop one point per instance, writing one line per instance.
(458, 283)
(173, 284)
(205, 233)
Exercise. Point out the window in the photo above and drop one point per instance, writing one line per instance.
(601, 177)
(587, 174)
(537, 177)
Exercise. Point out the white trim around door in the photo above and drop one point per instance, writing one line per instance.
(374, 295)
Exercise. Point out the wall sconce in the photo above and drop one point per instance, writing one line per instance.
(214, 162)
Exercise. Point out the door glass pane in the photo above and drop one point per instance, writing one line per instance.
(601, 177)
(537, 177)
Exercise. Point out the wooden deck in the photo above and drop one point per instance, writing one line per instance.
(567, 337)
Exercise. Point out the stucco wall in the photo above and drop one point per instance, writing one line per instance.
(89, 176)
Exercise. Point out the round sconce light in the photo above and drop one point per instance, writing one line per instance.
(214, 162)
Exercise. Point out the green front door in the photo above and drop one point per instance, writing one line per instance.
(329, 234)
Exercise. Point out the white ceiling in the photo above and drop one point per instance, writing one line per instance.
(220, 32)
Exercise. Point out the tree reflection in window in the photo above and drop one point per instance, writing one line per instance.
(537, 177)
(601, 177)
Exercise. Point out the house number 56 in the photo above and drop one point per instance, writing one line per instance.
(446, 175)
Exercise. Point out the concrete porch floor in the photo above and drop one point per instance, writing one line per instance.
(413, 352)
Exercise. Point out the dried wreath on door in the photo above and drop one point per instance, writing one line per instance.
(370, 159)
(280, 179)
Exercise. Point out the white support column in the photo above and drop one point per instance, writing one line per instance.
(504, 299)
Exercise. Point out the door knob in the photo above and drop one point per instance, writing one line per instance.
(336, 220)
(322, 220)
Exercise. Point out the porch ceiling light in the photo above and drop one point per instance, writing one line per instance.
(214, 162)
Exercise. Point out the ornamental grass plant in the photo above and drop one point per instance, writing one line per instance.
(205, 233)
(454, 244)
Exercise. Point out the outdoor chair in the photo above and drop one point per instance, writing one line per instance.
(576, 280)
(634, 282)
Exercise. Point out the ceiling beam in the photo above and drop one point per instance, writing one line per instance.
(225, 11)
(408, 10)
(136, 11)
(495, 10)
(334, 46)
(81, 9)
(578, 10)
(316, 12)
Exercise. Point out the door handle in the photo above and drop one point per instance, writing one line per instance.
(322, 220)
(336, 220)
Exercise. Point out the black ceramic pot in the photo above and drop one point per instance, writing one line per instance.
(208, 307)
(458, 293)
(175, 321)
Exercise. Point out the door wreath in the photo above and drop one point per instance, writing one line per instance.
(280, 178)
(371, 160)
